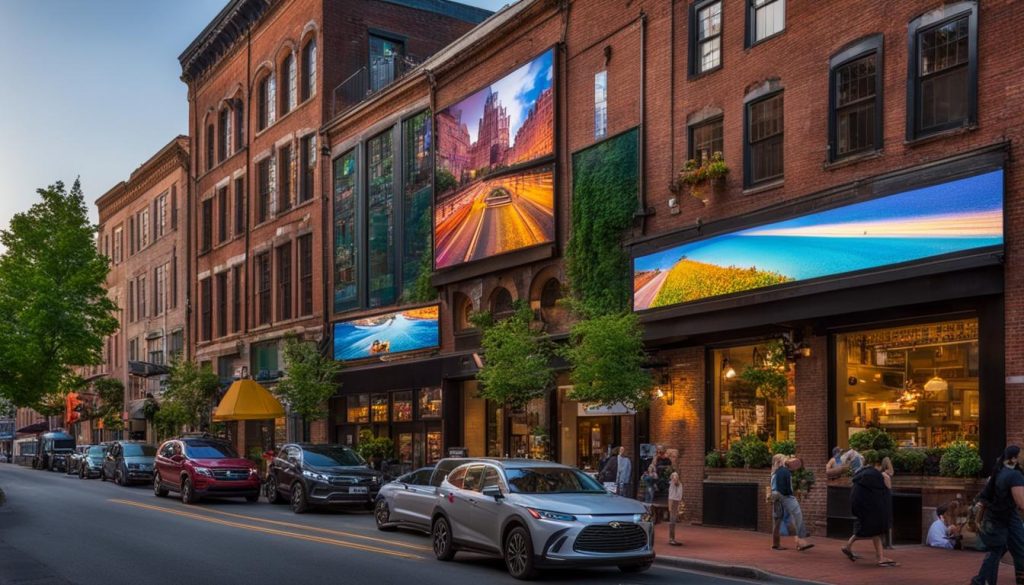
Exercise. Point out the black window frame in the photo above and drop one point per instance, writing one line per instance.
(206, 225)
(239, 206)
(307, 74)
(750, 38)
(222, 304)
(285, 179)
(751, 100)
(211, 134)
(283, 269)
(264, 273)
(305, 274)
(695, 40)
(918, 26)
(306, 169)
(223, 134)
(263, 102)
(691, 144)
(223, 233)
(284, 93)
(206, 309)
(859, 49)
(263, 189)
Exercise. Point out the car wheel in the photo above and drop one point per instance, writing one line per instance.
(158, 489)
(273, 494)
(188, 495)
(382, 515)
(518, 554)
(103, 474)
(81, 473)
(441, 535)
(299, 503)
(635, 568)
(119, 477)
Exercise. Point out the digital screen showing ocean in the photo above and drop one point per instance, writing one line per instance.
(957, 216)
(390, 333)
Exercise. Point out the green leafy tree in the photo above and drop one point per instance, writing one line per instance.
(309, 382)
(769, 376)
(607, 355)
(111, 394)
(516, 358)
(444, 181)
(188, 399)
(53, 302)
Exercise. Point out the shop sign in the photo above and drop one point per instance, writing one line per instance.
(951, 218)
(458, 452)
(593, 409)
(6, 430)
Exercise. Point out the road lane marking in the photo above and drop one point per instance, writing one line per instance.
(264, 530)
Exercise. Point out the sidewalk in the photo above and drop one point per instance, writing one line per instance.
(732, 552)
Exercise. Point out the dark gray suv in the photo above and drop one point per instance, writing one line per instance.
(306, 475)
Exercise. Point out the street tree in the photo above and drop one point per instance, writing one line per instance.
(53, 302)
(188, 398)
(517, 358)
(309, 381)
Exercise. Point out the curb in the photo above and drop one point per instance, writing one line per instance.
(737, 571)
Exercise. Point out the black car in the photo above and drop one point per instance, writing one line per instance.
(126, 462)
(53, 450)
(308, 475)
(87, 460)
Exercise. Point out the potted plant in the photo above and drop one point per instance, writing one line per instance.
(700, 174)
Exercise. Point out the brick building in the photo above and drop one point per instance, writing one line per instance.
(142, 229)
(263, 77)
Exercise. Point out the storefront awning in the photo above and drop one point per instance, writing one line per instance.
(247, 400)
(34, 428)
(136, 409)
(146, 369)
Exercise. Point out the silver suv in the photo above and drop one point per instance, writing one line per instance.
(538, 514)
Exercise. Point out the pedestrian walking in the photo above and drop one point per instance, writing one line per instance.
(675, 503)
(869, 503)
(889, 472)
(650, 479)
(1002, 529)
(624, 474)
(784, 503)
(609, 467)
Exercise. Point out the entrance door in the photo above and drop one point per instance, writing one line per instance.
(595, 435)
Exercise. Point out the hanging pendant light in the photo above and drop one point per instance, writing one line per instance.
(936, 384)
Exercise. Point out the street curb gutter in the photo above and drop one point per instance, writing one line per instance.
(737, 571)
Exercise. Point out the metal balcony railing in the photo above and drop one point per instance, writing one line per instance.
(368, 80)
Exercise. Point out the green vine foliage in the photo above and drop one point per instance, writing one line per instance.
(516, 358)
(607, 354)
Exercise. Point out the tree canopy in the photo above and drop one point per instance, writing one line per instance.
(309, 380)
(517, 358)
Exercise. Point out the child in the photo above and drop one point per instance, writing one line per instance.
(675, 502)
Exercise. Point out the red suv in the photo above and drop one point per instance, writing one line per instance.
(198, 467)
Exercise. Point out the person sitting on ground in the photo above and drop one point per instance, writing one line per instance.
(944, 532)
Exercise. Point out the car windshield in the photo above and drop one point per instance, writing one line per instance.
(209, 450)
(63, 444)
(332, 457)
(551, 480)
(96, 451)
(131, 450)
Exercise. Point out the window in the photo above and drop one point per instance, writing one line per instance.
(159, 289)
(765, 18)
(600, 104)
(174, 207)
(263, 190)
(155, 349)
(943, 85)
(206, 310)
(222, 304)
(358, 408)
(206, 221)
(266, 102)
(705, 36)
(174, 279)
(161, 215)
(224, 136)
(705, 139)
(288, 84)
(265, 360)
(855, 124)
(140, 290)
(346, 295)
(239, 124)
(307, 163)
(502, 305)
(222, 215)
(131, 301)
(309, 70)
(740, 408)
(284, 282)
(919, 383)
(381, 219)
(401, 407)
(379, 408)
(306, 275)
(430, 402)
(177, 343)
(209, 146)
(417, 231)
(285, 172)
(263, 288)
(236, 299)
(239, 206)
(118, 244)
(763, 162)
(143, 224)
(133, 349)
(385, 59)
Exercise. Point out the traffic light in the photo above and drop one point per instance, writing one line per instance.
(73, 408)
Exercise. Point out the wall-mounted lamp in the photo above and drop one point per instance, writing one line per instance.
(728, 372)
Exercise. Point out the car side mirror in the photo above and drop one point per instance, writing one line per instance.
(493, 491)
(177, 458)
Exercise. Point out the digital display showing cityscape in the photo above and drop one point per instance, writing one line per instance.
(389, 333)
(952, 217)
(487, 202)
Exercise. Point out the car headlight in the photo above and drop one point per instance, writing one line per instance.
(316, 476)
(375, 479)
(549, 515)
(645, 517)
(253, 472)
(204, 471)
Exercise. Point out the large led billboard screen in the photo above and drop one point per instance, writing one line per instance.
(952, 217)
(390, 333)
(489, 199)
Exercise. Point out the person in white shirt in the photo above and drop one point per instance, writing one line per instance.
(941, 534)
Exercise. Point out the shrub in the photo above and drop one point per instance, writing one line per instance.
(714, 459)
(787, 447)
(960, 460)
(909, 461)
(750, 452)
(869, 439)
(803, 480)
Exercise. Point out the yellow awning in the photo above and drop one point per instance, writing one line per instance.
(247, 400)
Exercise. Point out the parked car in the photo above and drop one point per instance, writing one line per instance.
(539, 514)
(409, 501)
(73, 461)
(198, 467)
(87, 460)
(314, 475)
(126, 462)
(53, 449)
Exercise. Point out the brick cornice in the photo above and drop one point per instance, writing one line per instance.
(171, 157)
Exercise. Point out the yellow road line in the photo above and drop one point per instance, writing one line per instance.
(261, 529)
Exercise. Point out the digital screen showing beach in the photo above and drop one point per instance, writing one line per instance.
(387, 334)
(957, 216)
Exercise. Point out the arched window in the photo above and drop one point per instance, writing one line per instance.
(309, 69)
(265, 101)
(239, 123)
(287, 84)
(550, 294)
(463, 311)
(224, 136)
(501, 303)
(210, 132)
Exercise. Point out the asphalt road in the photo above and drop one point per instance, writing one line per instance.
(57, 529)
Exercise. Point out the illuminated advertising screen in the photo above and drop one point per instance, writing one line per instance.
(490, 195)
(953, 217)
(386, 334)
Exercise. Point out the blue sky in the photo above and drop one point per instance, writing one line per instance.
(91, 88)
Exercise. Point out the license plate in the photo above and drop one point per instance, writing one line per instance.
(358, 490)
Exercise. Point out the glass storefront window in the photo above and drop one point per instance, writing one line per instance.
(919, 383)
(380, 408)
(402, 407)
(754, 394)
(430, 403)
(495, 430)
(358, 408)
(345, 293)
(418, 226)
(529, 428)
(434, 448)
(381, 220)
(404, 445)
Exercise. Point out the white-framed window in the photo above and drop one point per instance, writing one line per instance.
(600, 104)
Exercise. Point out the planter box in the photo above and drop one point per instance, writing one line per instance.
(734, 498)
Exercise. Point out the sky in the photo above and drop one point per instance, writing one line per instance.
(91, 89)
